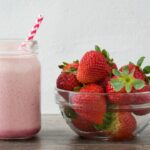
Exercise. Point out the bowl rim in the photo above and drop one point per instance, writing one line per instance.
(104, 94)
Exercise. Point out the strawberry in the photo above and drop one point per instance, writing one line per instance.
(104, 82)
(142, 98)
(89, 104)
(69, 67)
(110, 61)
(94, 66)
(92, 88)
(123, 125)
(114, 66)
(118, 125)
(139, 73)
(77, 122)
(141, 111)
(122, 84)
(67, 81)
(82, 124)
(116, 97)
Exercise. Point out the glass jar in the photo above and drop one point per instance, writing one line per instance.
(20, 115)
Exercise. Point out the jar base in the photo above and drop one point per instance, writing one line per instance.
(18, 135)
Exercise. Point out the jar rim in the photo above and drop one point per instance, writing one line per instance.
(14, 39)
(18, 47)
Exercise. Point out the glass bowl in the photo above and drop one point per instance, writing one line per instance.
(121, 121)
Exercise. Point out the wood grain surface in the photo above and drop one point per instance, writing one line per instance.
(56, 135)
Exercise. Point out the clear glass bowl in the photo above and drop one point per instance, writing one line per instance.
(136, 106)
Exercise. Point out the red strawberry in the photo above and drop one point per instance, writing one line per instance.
(89, 104)
(67, 81)
(92, 67)
(116, 97)
(139, 73)
(110, 61)
(118, 125)
(104, 82)
(142, 97)
(82, 124)
(77, 122)
(142, 111)
(122, 84)
(114, 66)
(120, 97)
(92, 88)
(69, 67)
(122, 126)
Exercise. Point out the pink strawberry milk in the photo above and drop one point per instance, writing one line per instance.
(19, 90)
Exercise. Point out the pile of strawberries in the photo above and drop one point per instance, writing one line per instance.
(101, 88)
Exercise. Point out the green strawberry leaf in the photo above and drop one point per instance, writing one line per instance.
(125, 70)
(140, 61)
(148, 77)
(71, 69)
(116, 72)
(105, 53)
(97, 48)
(99, 127)
(132, 72)
(128, 88)
(77, 88)
(138, 84)
(69, 113)
(61, 66)
(76, 61)
(146, 70)
(131, 63)
(108, 119)
(65, 63)
(117, 84)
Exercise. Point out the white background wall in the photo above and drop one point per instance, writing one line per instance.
(71, 27)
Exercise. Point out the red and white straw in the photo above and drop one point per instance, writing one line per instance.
(35, 28)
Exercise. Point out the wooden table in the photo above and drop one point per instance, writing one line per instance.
(56, 135)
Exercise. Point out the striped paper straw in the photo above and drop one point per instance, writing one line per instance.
(34, 29)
